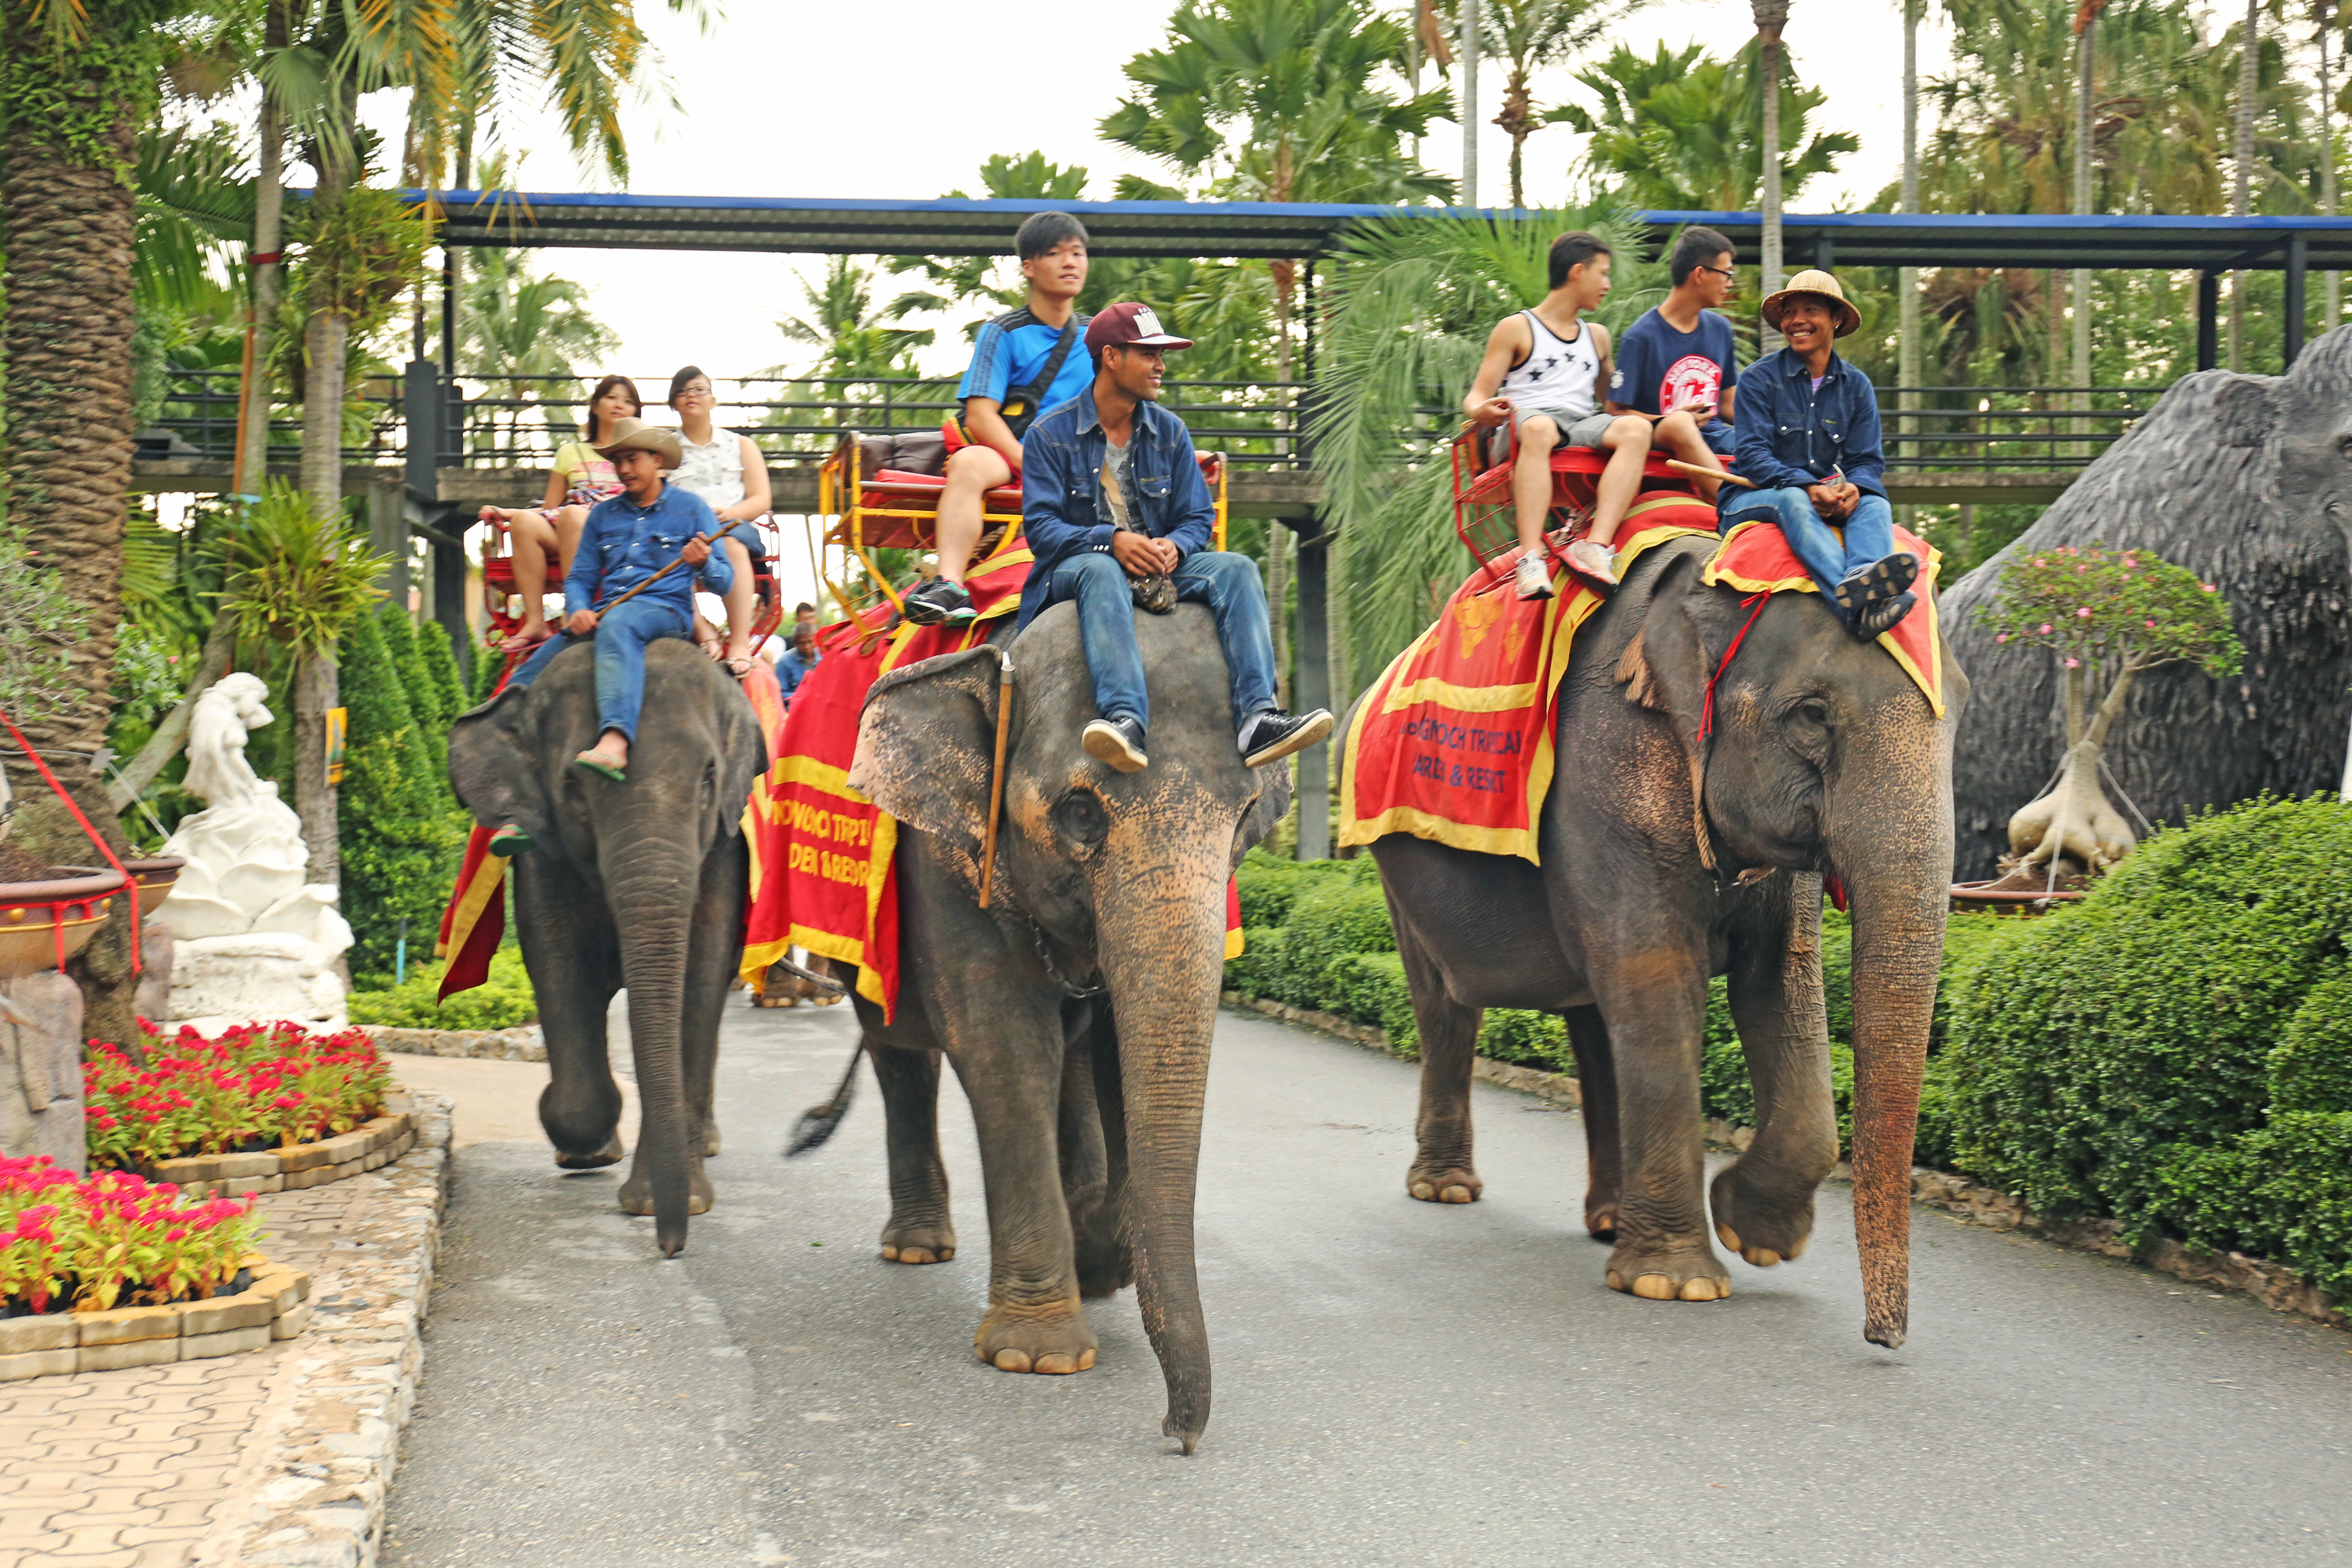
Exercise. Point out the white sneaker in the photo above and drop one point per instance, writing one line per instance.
(1595, 561)
(1533, 574)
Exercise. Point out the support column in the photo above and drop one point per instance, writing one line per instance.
(1825, 251)
(2209, 320)
(449, 605)
(1313, 690)
(2298, 263)
(387, 521)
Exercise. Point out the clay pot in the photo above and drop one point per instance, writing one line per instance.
(1985, 898)
(43, 923)
(155, 877)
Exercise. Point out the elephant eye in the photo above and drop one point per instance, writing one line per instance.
(1810, 714)
(1081, 817)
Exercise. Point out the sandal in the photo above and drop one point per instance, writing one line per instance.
(600, 762)
(740, 664)
(522, 642)
(510, 841)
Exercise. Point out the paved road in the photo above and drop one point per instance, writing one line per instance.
(1396, 1383)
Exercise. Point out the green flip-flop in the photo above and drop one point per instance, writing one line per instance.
(596, 765)
(511, 841)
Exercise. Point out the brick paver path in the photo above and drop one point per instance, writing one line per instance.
(131, 1468)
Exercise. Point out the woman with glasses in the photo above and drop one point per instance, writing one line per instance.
(729, 473)
(577, 480)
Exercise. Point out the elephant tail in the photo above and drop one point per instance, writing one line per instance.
(817, 1123)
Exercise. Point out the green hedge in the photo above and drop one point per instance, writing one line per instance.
(2175, 1052)
(501, 1001)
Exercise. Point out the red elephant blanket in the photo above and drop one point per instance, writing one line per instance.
(1454, 741)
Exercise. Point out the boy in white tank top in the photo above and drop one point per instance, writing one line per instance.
(1548, 371)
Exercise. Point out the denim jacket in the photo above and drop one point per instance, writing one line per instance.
(1062, 510)
(1790, 436)
(622, 543)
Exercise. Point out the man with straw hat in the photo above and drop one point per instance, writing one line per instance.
(628, 548)
(1806, 428)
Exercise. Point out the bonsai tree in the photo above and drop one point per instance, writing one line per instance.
(2105, 614)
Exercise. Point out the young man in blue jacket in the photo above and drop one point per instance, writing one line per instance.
(1111, 495)
(626, 541)
(1807, 432)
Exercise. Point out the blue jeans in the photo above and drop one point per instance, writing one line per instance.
(621, 637)
(1225, 581)
(1869, 532)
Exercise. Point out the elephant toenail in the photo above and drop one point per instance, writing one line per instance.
(1087, 1359)
(889, 1253)
(1456, 1196)
(1761, 1257)
(1728, 1236)
(1057, 1365)
(1706, 1290)
(1012, 1359)
(1654, 1287)
(1616, 1280)
(1423, 1190)
(1797, 1250)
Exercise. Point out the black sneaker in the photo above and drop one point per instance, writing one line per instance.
(1881, 580)
(1119, 743)
(1272, 735)
(1880, 616)
(939, 603)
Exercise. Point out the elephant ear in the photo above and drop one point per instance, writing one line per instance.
(1666, 668)
(494, 765)
(925, 743)
(1272, 801)
(742, 758)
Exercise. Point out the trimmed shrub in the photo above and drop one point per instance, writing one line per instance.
(501, 1001)
(2100, 1044)
(1263, 950)
(2282, 1192)
(1369, 988)
(2311, 1067)
(441, 663)
(400, 832)
(1537, 1040)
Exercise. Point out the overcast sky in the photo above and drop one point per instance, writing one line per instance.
(903, 99)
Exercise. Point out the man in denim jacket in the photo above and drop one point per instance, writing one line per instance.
(1111, 495)
(1806, 426)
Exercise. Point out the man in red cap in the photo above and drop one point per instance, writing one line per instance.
(1116, 514)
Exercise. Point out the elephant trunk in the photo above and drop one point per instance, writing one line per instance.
(1896, 861)
(1162, 946)
(652, 885)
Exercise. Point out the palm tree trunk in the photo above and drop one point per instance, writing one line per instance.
(1468, 196)
(2331, 285)
(1771, 15)
(2241, 199)
(1278, 603)
(269, 276)
(317, 691)
(1907, 286)
(2086, 87)
(66, 336)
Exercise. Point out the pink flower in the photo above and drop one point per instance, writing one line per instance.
(2207, 587)
(2073, 663)
(2045, 628)
(2152, 626)
(2084, 613)
(2003, 637)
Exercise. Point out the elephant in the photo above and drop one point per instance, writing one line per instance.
(1076, 1003)
(2247, 481)
(639, 884)
(1666, 858)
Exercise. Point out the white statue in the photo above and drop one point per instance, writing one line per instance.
(255, 941)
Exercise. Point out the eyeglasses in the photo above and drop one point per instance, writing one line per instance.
(1725, 273)
(697, 390)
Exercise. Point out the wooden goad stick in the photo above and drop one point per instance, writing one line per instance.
(996, 772)
(1696, 472)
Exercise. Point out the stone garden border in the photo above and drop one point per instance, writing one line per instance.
(364, 1148)
(275, 1306)
(523, 1043)
(2274, 1284)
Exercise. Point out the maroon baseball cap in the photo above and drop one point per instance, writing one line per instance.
(1129, 323)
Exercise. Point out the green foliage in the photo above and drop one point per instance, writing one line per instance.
(2282, 1191)
(298, 576)
(1369, 988)
(2311, 1067)
(501, 1001)
(362, 254)
(75, 78)
(440, 655)
(2101, 1045)
(1537, 1040)
(399, 831)
(2112, 609)
(39, 626)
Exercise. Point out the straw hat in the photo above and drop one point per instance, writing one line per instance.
(637, 435)
(1820, 284)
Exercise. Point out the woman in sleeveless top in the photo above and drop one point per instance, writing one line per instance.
(728, 471)
(576, 481)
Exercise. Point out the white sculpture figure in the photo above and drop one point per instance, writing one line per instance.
(254, 943)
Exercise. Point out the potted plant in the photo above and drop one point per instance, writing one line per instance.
(2105, 616)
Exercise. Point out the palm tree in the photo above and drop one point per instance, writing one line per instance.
(2086, 26)
(2243, 190)
(1907, 279)
(1771, 16)
(517, 327)
(1532, 35)
(2328, 17)
(854, 340)
(75, 84)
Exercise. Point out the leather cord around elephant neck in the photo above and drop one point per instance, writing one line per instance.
(1045, 957)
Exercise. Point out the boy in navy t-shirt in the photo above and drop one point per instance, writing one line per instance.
(1006, 388)
(1679, 356)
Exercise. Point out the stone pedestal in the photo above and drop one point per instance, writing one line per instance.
(263, 977)
(155, 953)
(40, 1072)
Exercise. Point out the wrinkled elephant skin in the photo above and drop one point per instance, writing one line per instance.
(639, 885)
(1088, 1107)
(1825, 759)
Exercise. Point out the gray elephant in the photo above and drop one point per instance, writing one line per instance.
(1825, 759)
(639, 885)
(2247, 481)
(1078, 1005)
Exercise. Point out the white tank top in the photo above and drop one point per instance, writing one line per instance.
(713, 470)
(1559, 374)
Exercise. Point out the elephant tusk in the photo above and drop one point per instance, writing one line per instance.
(996, 772)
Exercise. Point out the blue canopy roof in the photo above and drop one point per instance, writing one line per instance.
(2206, 242)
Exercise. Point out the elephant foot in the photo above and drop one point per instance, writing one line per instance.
(1665, 1273)
(1761, 1228)
(1448, 1182)
(1056, 1342)
(916, 1243)
(610, 1154)
(710, 1137)
(637, 1194)
(1600, 1218)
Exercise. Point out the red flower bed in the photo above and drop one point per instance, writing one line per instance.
(260, 1085)
(111, 1239)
